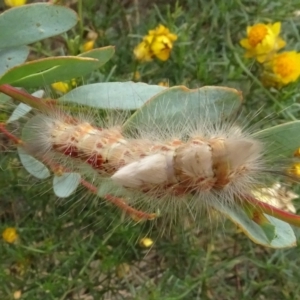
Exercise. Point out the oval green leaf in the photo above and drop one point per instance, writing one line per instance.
(33, 22)
(177, 105)
(22, 109)
(48, 70)
(281, 141)
(11, 57)
(103, 55)
(284, 234)
(113, 95)
(66, 184)
(32, 165)
(4, 98)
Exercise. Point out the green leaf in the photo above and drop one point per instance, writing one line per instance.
(269, 230)
(103, 55)
(281, 141)
(66, 184)
(257, 216)
(27, 24)
(4, 98)
(113, 95)
(22, 109)
(10, 57)
(176, 105)
(33, 166)
(284, 234)
(48, 70)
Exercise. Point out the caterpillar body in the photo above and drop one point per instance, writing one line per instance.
(173, 176)
(199, 164)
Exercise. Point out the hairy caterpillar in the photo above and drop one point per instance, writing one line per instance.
(175, 167)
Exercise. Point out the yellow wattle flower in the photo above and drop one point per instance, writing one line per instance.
(142, 51)
(163, 83)
(13, 3)
(146, 242)
(122, 270)
(17, 294)
(161, 47)
(87, 46)
(61, 86)
(10, 235)
(262, 41)
(295, 170)
(157, 43)
(297, 153)
(137, 75)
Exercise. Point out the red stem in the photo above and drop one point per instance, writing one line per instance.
(9, 135)
(119, 202)
(274, 211)
(25, 97)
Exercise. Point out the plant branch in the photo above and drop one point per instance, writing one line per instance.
(25, 97)
(274, 211)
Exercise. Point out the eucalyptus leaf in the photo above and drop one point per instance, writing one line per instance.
(4, 98)
(174, 106)
(34, 22)
(103, 55)
(11, 57)
(284, 234)
(22, 109)
(113, 95)
(48, 70)
(269, 230)
(281, 141)
(32, 165)
(66, 184)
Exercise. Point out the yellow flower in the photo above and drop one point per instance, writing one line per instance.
(13, 3)
(163, 83)
(297, 153)
(123, 270)
(87, 46)
(10, 235)
(286, 66)
(295, 170)
(283, 69)
(262, 41)
(146, 242)
(162, 42)
(142, 51)
(17, 294)
(157, 43)
(137, 75)
(161, 47)
(61, 86)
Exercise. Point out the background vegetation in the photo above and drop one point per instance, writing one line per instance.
(84, 251)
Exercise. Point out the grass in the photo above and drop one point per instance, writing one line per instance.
(84, 251)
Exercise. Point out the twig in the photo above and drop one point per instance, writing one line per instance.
(273, 211)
